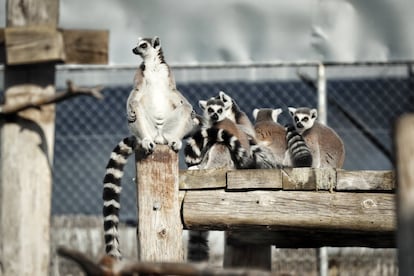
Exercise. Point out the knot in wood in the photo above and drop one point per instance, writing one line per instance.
(369, 203)
(162, 233)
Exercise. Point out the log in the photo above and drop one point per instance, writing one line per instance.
(404, 133)
(365, 180)
(159, 225)
(33, 44)
(202, 179)
(279, 210)
(86, 46)
(26, 184)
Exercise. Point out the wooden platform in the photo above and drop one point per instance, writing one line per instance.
(291, 208)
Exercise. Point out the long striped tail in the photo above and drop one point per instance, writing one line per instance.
(112, 191)
(299, 151)
(199, 143)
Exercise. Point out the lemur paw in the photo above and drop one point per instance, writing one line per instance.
(148, 145)
(132, 117)
(175, 145)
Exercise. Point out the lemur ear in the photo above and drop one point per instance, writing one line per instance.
(202, 104)
(255, 112)
(314, 113)
(155, 42)
(275, 114)
(292, 111)
(224, 97)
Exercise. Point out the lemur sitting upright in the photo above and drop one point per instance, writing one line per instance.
(326, 146)
(157, 114)
(286, 144)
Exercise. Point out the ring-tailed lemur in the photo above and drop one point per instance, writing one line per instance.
(262, 156)
(234, 113)
(157, 114)
(326, 146)
(219, 144)
(218, 129)
(287, 145)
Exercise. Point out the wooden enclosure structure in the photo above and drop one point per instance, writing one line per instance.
(289, 208)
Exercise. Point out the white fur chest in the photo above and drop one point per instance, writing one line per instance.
(157, 87)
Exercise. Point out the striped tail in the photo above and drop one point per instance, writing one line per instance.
(198, 144)
(299, 151)
(198, 249)
(111, 193)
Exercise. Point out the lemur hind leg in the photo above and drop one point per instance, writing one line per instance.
(177, 125)
(142, 126)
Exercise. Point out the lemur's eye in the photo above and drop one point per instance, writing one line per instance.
(210, 110)
(220, 111)
(143, 46)
(305, 119)
(296, 119)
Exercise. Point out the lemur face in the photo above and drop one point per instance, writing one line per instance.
(214, 110)
(147, 47)
(303, 118)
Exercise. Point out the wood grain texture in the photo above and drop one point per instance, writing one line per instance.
(33, 44)
(274, 210)
(365, 180)
(159, 224)
(26, 183)
(254, 179)
(202, 179)
(404, 133)
(86, 46)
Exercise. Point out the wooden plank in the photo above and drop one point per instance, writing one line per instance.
(404, 133)
(254, 179)
(32, 12)
(274, 210)
(26, 184)
(202, 179)
(365, 180)
(309, 179)
(86, 46)
(159, 225)
(26, 45)
(294, 238)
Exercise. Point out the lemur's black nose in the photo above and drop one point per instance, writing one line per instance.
(135, 50)
(214, 117)
(299, 125)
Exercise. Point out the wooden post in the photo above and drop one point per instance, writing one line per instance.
(26, 155)
(405, 193)
(25, 185)
(160, 229)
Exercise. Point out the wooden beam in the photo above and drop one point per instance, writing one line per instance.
(159, 224)
(289, 179)
(365, 180)
(404, 132)
(278, 210)
(86, 46)
(203, 179)
(254, 179)
(33, 44)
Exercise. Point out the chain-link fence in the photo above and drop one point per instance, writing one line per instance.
(362, 103)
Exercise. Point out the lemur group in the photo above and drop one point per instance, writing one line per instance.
(223, 136)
